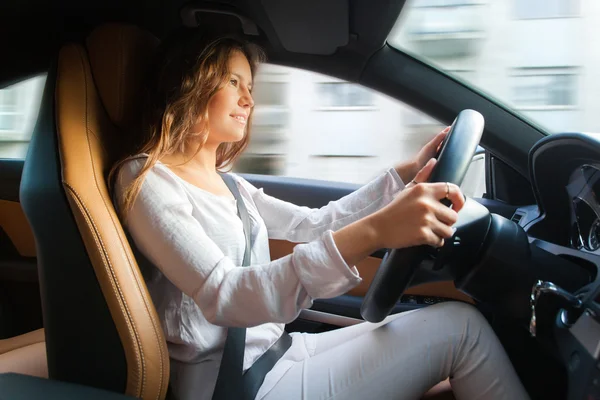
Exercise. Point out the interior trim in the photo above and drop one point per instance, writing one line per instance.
(367, 269)
(15, 225)
(326, 318)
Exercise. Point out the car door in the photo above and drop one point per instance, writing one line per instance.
(20, 306)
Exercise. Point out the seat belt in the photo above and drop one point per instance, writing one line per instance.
(232, 382)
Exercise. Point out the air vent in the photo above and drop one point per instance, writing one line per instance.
(517, 217)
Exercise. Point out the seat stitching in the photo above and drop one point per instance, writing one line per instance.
(138, 350)
(140, 355)
(152, 320)
(127, 255)
(139, 289)
(99, 244)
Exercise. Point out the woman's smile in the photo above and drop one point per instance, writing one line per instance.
(240, 118)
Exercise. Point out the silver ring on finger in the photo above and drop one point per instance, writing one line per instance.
(447, 190)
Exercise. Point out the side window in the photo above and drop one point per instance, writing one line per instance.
(19, 107)
(271, 123)
(309, 125)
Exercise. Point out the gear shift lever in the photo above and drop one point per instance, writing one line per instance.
(542, 287)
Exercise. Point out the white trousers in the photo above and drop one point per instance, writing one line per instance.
(399, 358)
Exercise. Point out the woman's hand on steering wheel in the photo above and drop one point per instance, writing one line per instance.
(416, 216)
(408, 170)
(417, 219)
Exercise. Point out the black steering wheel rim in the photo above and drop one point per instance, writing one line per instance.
(399, 265)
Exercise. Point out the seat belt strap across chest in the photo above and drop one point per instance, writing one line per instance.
(232, 382)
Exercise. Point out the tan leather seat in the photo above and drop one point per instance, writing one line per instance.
(101, 326)
(96, 95)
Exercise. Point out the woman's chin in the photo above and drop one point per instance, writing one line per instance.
(227, 137)
(235, 138)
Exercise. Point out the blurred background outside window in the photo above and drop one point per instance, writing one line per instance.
(19, 105)
(531, 55)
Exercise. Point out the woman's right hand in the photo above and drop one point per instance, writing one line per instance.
(416, 216)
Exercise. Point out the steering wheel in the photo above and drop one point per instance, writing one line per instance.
(398, 267)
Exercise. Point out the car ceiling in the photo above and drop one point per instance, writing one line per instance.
(336, 37)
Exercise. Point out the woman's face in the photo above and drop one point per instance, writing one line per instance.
(230, 107)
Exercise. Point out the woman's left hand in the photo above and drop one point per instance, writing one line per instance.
(408, 170)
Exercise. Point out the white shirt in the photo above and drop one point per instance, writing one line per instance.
(196, 241)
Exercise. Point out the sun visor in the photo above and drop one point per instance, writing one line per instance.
(309, 26)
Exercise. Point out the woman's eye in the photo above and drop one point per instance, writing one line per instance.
(233, 81)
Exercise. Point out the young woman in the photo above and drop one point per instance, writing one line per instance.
(183, 218)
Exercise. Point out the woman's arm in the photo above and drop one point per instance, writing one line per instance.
(165, 231)
(287, 221)
(163, 227)
(415, 217)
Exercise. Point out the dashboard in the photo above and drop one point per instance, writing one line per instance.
(584, 190)
(565, 176)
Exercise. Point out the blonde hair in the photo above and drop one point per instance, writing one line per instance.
(188, 72)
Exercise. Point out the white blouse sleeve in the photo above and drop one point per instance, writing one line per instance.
(287, 221)
(163, 228)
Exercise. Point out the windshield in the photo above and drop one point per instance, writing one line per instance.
(535, 56)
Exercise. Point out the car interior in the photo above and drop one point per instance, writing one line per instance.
(73, 299)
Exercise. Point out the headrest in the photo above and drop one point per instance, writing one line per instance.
(119, 56)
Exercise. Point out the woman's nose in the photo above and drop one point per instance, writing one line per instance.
(246, 99)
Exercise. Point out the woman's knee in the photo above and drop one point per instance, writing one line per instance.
(460, 310)
(443, 319)
(454, 311)
(463, 313)
(454, 317)
(466, 321)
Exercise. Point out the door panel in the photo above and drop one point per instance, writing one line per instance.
(20, 304)
(18, 241)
